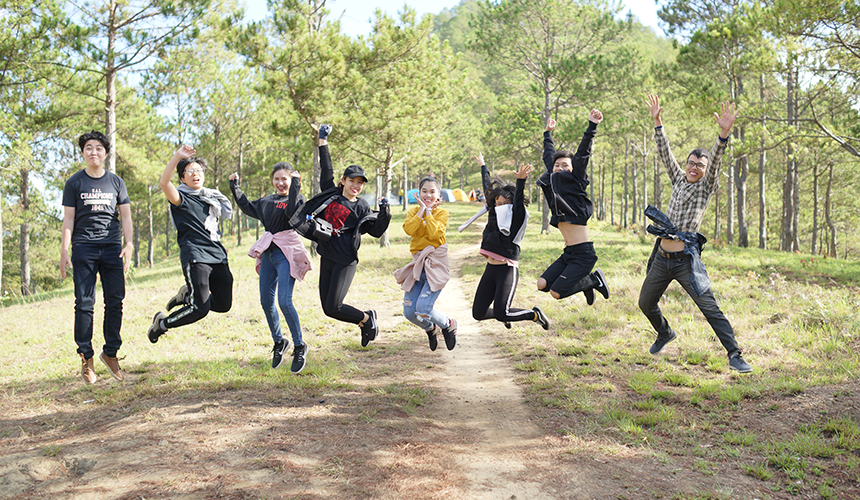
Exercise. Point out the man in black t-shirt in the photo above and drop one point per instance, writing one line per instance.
(195, 210)
(96, 216)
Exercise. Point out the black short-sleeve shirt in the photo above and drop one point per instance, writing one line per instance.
(95, 202)
(197, 231)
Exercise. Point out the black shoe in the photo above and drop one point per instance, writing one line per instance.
(661, 342)
(540, 318)
(507, 324)
(299, 358)
(589, 295)
(450, 334)
(738, 364)
(431, 336)
(601, 285)
(278, 352)
(369, 329)
(180, 299)
(155, 329)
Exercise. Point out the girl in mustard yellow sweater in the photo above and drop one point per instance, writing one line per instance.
(424, 277)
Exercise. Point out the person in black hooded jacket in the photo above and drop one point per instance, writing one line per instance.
(350, 217)
(564, 185)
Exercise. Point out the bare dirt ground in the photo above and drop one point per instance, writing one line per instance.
(477, 439)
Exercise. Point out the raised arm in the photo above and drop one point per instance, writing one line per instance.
(519, 198)
(246, 206)
(676, 173)
(326, 168)
(485, 174)
(185, 151)
(583, 153)
(725, 120)
(548, 145)
(296, 200)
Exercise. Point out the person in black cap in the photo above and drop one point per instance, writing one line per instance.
(349, 216)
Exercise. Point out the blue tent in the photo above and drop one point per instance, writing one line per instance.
(412, 196)
(448, 195)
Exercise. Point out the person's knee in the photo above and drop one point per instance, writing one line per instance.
(555, 295)
(409, 309)
(646, 304)
(542, 285)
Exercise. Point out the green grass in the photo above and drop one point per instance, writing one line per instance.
(797, 320)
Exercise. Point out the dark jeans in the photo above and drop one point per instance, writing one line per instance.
(89, 259)
(211, 288)
(335, 280)
(662, 272)
(497, 287)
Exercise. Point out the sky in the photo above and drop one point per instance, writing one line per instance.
(355, 14)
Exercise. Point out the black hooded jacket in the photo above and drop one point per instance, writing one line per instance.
(566, 191)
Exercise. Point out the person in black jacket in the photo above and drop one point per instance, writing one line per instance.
(564, 185)
(506, 226)
(350, 216)
(281, 257)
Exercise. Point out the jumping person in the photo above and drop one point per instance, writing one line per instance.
(96, 217)
(428, 272)
(350, 216)
(564, 185)
(677, 251)
(195, 211)
(500, 244)
(281, 257)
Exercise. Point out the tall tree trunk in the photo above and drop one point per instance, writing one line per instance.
(150, 237)
(827, 214)
(25, 231)
(110, 86)
(612, 195)
(136, 255)
(742, 173)
(634, 181)
(762, 179)
(167, 227)
(814, 207)
(239, 171)
(644, 186)
(624, 219)
(1, 247)
(788, 240)
(717, 212)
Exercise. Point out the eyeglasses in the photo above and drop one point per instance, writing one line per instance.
(696, 164)
(194, 171)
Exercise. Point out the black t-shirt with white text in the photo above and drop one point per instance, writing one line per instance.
(95, 202)
(197, 231)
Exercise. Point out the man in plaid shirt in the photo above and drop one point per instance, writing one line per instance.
(677, 256)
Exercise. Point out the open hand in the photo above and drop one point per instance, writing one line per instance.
(524, 171)
(480, 159)
(185, 151)
(655, 108)
(726, 118)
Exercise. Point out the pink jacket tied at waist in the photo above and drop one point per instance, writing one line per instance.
(291, 244)
(433, 261)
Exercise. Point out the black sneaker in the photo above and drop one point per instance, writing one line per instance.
(589, 295)
(155, 329)
(299, 358)
(661, 342)
(450, 334)
(738, 364)
(601, 285)
(180, 299)
(278, 352)
(507, 324)
(431, 336)
(369, 329)
(540, 318)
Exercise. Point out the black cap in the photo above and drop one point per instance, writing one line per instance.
(353, 171)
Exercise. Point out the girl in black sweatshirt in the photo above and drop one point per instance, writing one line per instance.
(506, 226)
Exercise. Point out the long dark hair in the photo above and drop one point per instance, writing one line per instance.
(281, 165)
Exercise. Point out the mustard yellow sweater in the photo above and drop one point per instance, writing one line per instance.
(429, 230)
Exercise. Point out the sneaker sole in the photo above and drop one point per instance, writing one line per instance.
(112, 374)
(658, 351)
(149, 332)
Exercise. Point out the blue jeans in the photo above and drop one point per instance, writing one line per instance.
(275, 274)
(418, 305)
(89, 259)
(661, 273)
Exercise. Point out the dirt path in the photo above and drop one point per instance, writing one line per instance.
(482, 400)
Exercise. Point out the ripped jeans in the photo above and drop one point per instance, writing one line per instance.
(418, 305)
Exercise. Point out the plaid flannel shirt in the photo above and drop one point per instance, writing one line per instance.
(689, 201)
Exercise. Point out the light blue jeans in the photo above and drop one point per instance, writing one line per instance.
(275, 275)
(418, 305)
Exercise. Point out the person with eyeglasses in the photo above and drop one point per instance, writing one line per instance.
(677, 251)
(196, 211)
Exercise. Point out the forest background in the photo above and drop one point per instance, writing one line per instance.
(418, 96)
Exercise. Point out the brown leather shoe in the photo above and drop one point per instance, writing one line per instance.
(113, 366)
(88, 371)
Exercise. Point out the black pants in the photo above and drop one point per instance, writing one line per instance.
(211, 289)
(571, 273)
(497, 287)
(89, 259)
(335, 280)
